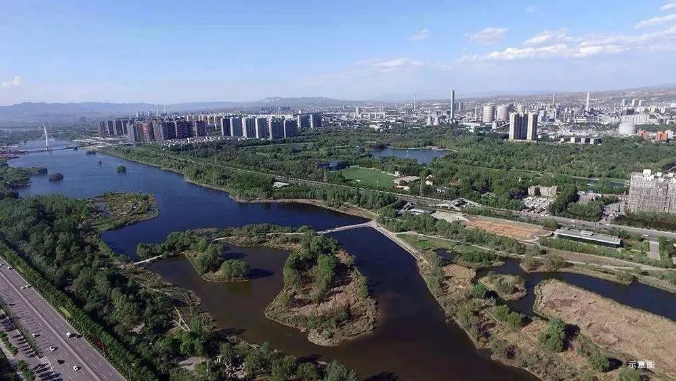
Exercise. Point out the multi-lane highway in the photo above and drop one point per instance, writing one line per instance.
(39, 318)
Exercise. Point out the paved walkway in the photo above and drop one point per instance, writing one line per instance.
(654, 252)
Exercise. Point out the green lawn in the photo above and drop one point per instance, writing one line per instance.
(369, 177)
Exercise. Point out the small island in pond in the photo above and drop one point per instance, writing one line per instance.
(508, 287)
(121, 169)
(55, 177)
(324, 293)
(117, 210)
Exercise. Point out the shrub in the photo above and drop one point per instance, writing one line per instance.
(554, 338)
(554, 262)
(530, 263)
(599, 361)
(478, 291)
(628, 374)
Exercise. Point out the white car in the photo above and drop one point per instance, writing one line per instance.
(52, 348)
(70, 334)
(34, 335)
(76, 368)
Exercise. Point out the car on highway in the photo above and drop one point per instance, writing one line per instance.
(9, 268)
(52, 348)
(76, 368)
(71, 334)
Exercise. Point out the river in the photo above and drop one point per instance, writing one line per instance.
(412, 339)
(637, 295)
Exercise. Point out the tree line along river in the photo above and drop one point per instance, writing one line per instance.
(411, 340)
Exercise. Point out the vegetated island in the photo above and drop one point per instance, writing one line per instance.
(627, 333)
(121, 169)
(324, 293)
(508, 287)
(116, 210)
(56, 177)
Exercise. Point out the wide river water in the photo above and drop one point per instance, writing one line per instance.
(412, 341)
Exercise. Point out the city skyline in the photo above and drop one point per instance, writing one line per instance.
(214, 52)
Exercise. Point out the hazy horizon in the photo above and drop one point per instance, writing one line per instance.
(78, 51)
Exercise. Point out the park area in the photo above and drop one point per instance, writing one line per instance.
(368, 177)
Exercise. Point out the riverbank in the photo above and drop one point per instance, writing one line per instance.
(347, 209)
(625, 332)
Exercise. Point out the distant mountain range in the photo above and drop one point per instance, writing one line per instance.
(40, 112)
(31, 113)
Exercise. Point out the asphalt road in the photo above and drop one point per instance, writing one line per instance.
(38, 317)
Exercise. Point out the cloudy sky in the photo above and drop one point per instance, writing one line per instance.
(179, 51)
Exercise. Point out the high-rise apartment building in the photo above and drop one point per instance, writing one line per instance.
(225, 127)
(315, 120)
(110, 127)
(262, 128)
(523, 126)
(249, 127)
(160, 130)
(275, 128)
(290, 128)
(650, 192)
(147, 132)
(488, 114)
(119, 127)
(183, 129)
(303, 121)
(199, 128)
(236, 126)
(452, 116)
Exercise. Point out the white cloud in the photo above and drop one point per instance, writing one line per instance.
(548, 36)
(656, 21)
(487, 36)
(16, 81)
(531, 8)
(419, 35)
(586, 46)
(668, 7)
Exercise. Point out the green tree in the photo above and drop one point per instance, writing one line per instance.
(307, 371)
(336, 371)
(234, 269)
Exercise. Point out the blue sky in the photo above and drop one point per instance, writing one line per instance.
(179, 51)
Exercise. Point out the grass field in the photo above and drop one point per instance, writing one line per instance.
(370, 177)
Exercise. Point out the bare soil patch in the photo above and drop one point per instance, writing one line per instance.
(507, 229)
(637, 334)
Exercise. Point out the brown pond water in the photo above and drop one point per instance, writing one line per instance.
(412, 341)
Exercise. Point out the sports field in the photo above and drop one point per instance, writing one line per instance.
(370, 177)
